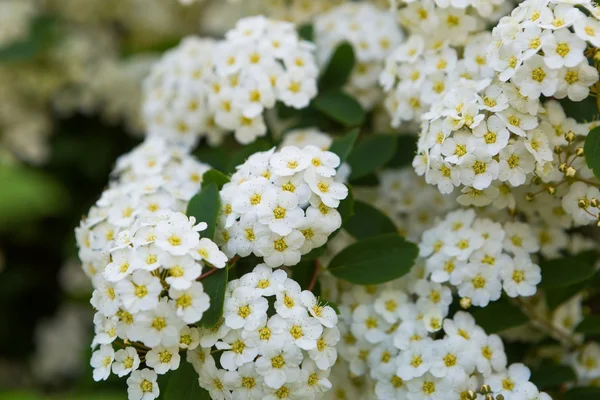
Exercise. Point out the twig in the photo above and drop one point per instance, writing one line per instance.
(313, 281)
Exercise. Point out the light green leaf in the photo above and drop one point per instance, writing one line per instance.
(368, 221)
(338, 70)
(591, 149)
(216, 177)
(370, 154)
(214, 286)
(374, 260)
(205, 207)
(499, 315)
(342, 146)
(183, 385)
(566, 271)
(548, 376)
(340, 107)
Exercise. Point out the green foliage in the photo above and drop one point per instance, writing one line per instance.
(590, 325)
(583, 393)
(183, 385)
(346, 207)
(567, 271)
(306, 32)
(340, 107)
(406, 148)
(374, 260)
(216, 177)
(240, 156)
(205, 207)
(303, 274)
(343, 145)
(340, 66)
(371, 154)
(214, 286)
(581, 111)
(548, 376)
(591, 149)
(499, 315)
(41, 35)
(368, 221)
(28, 194)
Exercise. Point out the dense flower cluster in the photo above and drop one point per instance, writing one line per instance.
(386, 338)
(373, 34)
(144, 257)
(281, 204)
(280, 350)
(481, 257)
(208, 88)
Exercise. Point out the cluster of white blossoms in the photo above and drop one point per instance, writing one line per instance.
(144, 257)
(278, 350)
(281, 204)
(387, 338)
(481, 257)
(373, 34)
(208, 88)
(15, 16)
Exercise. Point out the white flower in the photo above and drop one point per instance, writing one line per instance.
(208, 251)
(244, 309)
(264, 280)
(213, 380)
(289, 161)
(575, 82)
(280, 250)
(141, 292)
(480, 283)
(294, 89)
(126, 361)
(322, 162)
(280, 365)
(102, 360)
(279, 210)
(451, 357)
(142, 385)
(327, 189)
(534, 78)
(158, 326)
(414, 361)
(515, 164)
(511, 382)
(428, 387)
(245, 383)
(520, 277)
(190, 303)
(303, 330)
(239, 351)
(323, 313)
(588, 28)
(163, 359)
(189, 338)
(325, 353)
(563, 49)
(490, 355)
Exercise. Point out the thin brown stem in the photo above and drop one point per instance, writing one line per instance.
(313, 281)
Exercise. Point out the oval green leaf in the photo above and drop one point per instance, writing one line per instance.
(548, 376)
(216, 177)
(566, 271)
(368, 221)
(205, 207)
(214, 286)
(183, 384)
(591, 149)
(374, 260)
(343, 145)
(499, 315)
(340, 107)
(371, 154)
(338, 70)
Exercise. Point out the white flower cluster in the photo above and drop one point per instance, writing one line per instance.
(386, 338)
(280, 350)
(423, 8)
(481, 257)
(373, 34)
(208, 88)
(144, 257)
(15, 16)
(281, 204)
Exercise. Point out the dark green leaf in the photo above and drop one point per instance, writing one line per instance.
(406, 149)
(581, 111)
(340, 107)
(242, 154)
(557, 296)
(342, 146)
(216, 157)
(346, 207)
(548, 376)
(214, 286)
(339, 68)
(183, 385)
(499, 315)
(583, 393)
(590, 325)
(303, 274)
(306, 32)
(374, 260)
(370, 154)
(591, 149)
(41, 33)
(368, 221)
(216, 177)
(315, 253)
(566, 271)
(205, 207)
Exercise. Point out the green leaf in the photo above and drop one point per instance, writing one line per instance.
(41, 33)
(374, 260)
(306, 32)
(557, 296)
(590, 325)
(315, 253)
(346, 207)
(340, 107)
(370, 154)
(214, 286)
(303, 273)
(548, 376)
(583, 393)
(406, 148)
(216, 177)
(368, 221)
(566, 271)
(216, 157)
(581, 111)
(183, 385)
(28, 194)
(591, 149)
(338, 69)
(342, 146)
(205, 207)
(499, 315)
(240, 157)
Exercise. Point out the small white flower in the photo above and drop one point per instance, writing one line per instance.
(142, 385)
(126, 361)
(102, 360)
(163, 359)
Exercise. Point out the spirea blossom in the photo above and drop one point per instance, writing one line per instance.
(274, 350)
(281, 204)
(207, 88)
(373, 34)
